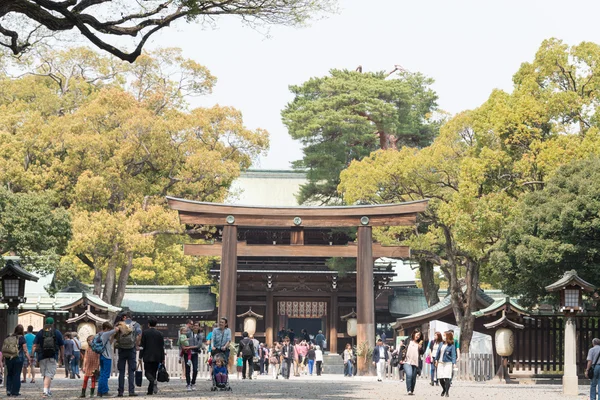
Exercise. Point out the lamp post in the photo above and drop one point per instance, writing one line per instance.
(13, 279)
(570, 287)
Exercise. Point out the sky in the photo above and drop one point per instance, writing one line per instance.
(468, 47)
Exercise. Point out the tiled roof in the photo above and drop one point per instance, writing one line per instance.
(406, 301)
(499, 305)
(570, 278)
(170, 299)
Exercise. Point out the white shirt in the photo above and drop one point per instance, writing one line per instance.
(381, 353)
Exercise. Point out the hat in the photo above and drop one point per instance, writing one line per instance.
(49, 321)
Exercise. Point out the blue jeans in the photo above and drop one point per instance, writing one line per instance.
(13, 373)
(411, 376)
(348, 369)
(311, 364)
(75, 363)
(105, 366)
(594, 384)
(433, 372)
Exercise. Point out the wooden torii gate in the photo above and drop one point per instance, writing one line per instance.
(230, 217)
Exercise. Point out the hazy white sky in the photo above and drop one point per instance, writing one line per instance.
(468, 47)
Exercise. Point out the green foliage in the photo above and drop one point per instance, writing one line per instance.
(555, 230)
(346, 115)
(342, 265)
(34, 228)
(111, 140)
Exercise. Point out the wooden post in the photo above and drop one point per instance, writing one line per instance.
(365, 295)
(269, 320)
(333, 323)
(228, 282)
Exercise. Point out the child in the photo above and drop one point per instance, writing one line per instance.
(240, 363)
(91, 367)
(185, 342)
(220, 372)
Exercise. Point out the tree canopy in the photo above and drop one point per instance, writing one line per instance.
(23, 23)
(554, 230)
(111, 146)
(481, 166)
(347, 115)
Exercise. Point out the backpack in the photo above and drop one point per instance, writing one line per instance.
(126, 340)
(97, 345)
(10, 347)
(49, 343)
(247, 348)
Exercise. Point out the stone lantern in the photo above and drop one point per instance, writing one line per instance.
(13, 279)
(504, 338)
(250, 318)
(571, 288)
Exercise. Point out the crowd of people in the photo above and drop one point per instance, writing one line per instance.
(290, 355)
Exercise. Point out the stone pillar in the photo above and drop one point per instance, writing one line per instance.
(228, 282)
(570, 379)
(12, 318)
(333, 323)
(269, 320)
(365, 295)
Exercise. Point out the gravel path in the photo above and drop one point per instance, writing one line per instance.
(324, 387)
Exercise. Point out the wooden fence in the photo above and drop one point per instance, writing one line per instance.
(471, 367)
(174, 367)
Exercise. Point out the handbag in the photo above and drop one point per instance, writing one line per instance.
(138, 375)
(162, 374)
(428, 359)
(589, 373)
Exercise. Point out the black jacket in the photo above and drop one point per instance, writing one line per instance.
(153, 346)
(287, 351)
(247, 343)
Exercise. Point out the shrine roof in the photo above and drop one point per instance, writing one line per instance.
(170, 299)
(438, 310)
(314, 211)
(502, 304)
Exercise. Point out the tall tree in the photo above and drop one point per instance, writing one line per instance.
(112, 148)
(555, 230)
(348, 114)
(483, 162)
(24, 23)
(33, 227)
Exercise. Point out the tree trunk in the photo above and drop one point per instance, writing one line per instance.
(469, 305)
(119, 293)
(427, 280)
(109, 282)
(97, 281)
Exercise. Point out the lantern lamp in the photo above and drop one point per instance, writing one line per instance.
(250, 318)
(351, 323)
(13, 278)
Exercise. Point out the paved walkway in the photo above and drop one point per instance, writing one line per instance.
(324, 387)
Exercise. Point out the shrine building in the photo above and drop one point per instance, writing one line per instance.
(273, 260)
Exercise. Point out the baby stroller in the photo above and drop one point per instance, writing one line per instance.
(220, 376)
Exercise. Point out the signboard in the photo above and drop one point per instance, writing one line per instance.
(32, 318)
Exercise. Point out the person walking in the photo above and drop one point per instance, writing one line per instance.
(49, 346)
(14, 352)
(221, 338)
(310, 355)
(76, 354)
(320, 340)
(274, 360)
(593, 361)
(246, 351)
(29, 338)
(106, 337)
(287, 354)
(152, 353)
(319, 359)
(446, 359)
(262, 358)
(434, 345)
(414, 349)
(91, 368)
(348, 356)
(195, 345)
(127, 340)
(68, 355)
(380, 357)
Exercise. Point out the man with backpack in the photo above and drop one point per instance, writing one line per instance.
(49, 346)
(246, 351)
(127, 340)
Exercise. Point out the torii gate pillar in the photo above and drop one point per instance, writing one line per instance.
(365, 296)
